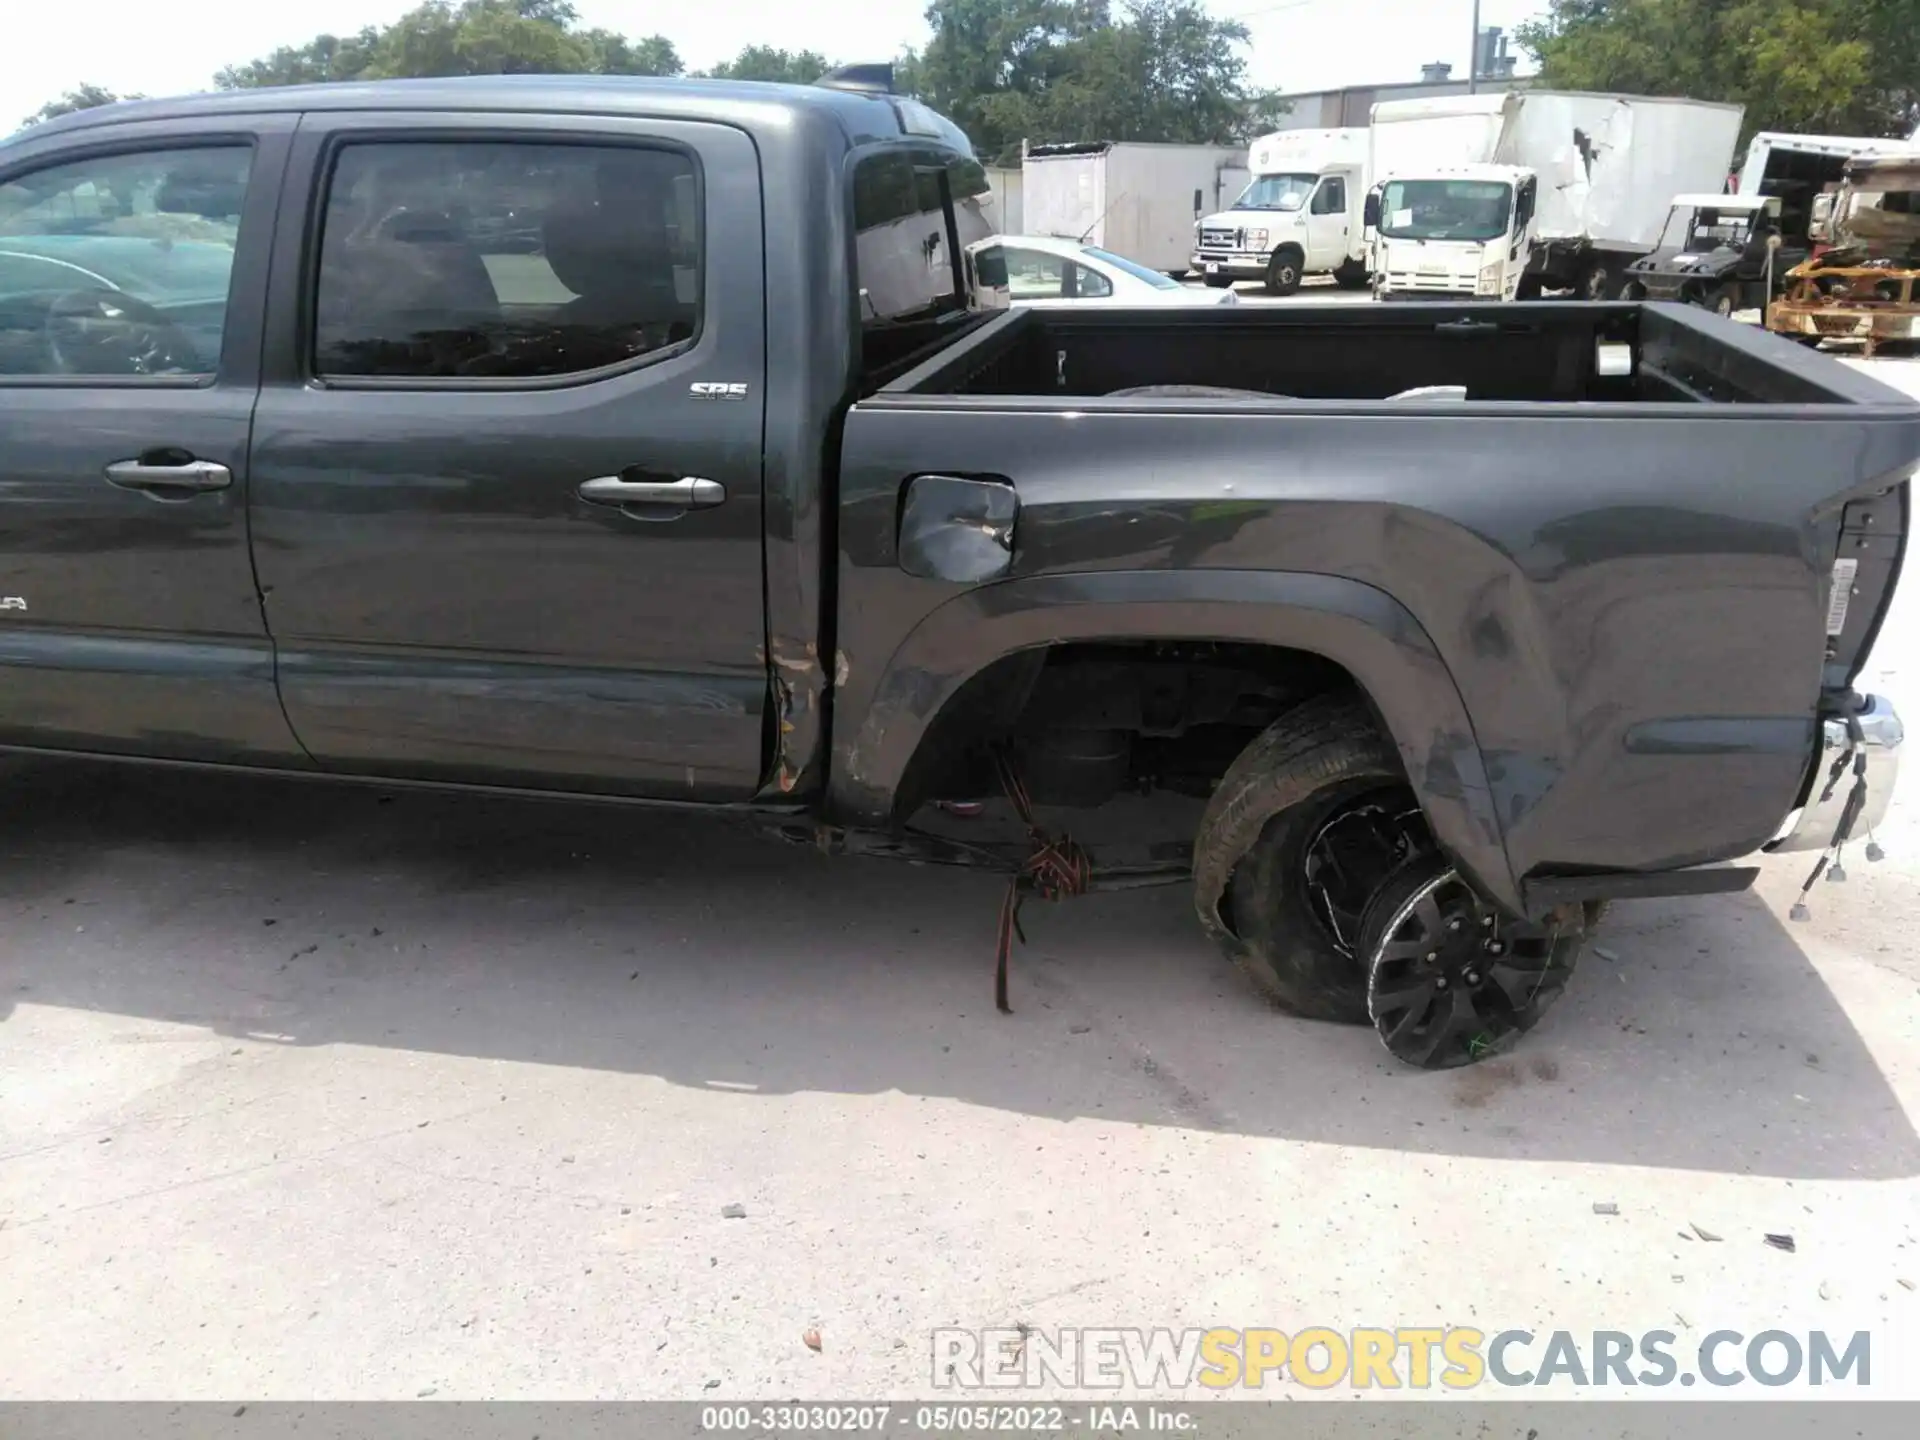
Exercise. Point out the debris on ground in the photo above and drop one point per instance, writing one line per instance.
(1704, 1233)
(1906, 1282)
(1826, 1290)
(711, 1385)
(810, 1338)
(1605, 1207)
(733, 1212)
(1781, 1242)
(1602, 953)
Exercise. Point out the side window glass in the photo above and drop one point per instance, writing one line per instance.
(1035, 275)
(1331, 198)
(1091, 284)
(494, 259)
(120, 265)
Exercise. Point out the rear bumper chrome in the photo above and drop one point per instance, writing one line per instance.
(1881, 735)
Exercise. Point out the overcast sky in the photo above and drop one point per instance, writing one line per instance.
(171, 46)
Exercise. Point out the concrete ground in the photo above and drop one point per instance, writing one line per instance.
(310, 1093)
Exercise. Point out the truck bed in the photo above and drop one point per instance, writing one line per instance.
(1596, 611)
(1536, 353)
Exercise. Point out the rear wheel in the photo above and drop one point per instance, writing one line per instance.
(1450, 980)
(1283, 271)
(1720, 301)
(1352, 276)
(1599, 281)
(1308, 822)
(1218, 282)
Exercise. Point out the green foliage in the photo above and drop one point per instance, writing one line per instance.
(85, 97)
(473, 37)
(1844, 66)
(1050, 70)
(1006, 70)
(764, 62)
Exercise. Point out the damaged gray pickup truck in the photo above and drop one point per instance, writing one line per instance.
(657, 442)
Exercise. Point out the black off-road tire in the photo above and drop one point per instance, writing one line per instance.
(1217, 282)
(1285, 271)
(1249, 853)
(1352, 276)
(1431, 1011)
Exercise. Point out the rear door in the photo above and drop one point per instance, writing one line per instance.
(508, 456)
(133, 264)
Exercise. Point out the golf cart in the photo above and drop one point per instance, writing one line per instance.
(1720, 252)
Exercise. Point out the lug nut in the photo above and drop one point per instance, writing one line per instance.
(1472, 979)
(1433, 957)
(1486, 922)
(1494, 947)
(1454, 923)
(1441, 983)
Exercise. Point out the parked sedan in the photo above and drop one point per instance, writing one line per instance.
(1040, 270)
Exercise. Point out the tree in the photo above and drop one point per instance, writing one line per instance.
(1044, 70)
(763, 62)
(1850, 66)
(323, 58)
(472, 37)
(84, 97)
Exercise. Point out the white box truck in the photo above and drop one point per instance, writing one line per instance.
(1301, 214)
(1798, 169)
(1137, 200)
(1503, 195)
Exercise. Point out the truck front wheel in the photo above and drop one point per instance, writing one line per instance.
(1218, 282)
(1284, 271)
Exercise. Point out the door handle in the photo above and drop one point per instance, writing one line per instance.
(170, 482)
(691, 492)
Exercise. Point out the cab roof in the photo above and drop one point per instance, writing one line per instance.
(863, 114)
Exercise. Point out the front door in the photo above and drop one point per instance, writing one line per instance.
(133, 263)
(1327, 225)
(508, 453)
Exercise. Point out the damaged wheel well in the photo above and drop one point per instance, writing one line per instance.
(1088, 720)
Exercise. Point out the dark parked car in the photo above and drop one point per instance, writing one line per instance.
(645, 441)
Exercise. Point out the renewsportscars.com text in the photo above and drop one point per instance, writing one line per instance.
(1402, 1358)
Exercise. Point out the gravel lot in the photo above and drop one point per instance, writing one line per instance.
(310, 1093)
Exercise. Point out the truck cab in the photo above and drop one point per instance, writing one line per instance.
(1300, 215)
(1457, 232)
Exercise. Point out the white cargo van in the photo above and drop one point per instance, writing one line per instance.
(1301, 214)
(1503, 195)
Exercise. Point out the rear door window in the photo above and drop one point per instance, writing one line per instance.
(497, 259)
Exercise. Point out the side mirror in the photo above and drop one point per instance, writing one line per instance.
(1198, 205)
(1372, 216)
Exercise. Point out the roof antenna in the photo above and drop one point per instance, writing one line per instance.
(876, 79)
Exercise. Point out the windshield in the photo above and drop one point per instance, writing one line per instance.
(1138, 271)
(1446, 209)
(1720, 230)
(1276, 192)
